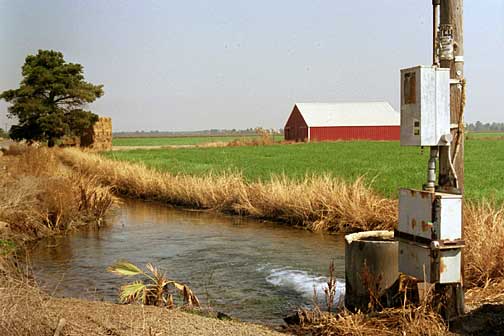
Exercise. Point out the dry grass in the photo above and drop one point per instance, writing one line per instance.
(397, 321)
(318, 202)
(26, 311)
(41, 197)
(21, 303)
(484, 236)
(491, 293)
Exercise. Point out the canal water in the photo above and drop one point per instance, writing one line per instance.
(251, 270)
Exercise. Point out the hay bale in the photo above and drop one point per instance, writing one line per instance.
(98, 137)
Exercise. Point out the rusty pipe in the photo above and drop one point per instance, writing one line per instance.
(431, 169)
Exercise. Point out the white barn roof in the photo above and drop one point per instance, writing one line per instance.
(349, 114)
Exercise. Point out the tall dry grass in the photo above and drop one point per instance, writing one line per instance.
(21, 302)
(408, 320)
(39, 196)
(484, 236)
(317, 202)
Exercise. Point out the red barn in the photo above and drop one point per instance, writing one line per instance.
(343, 121)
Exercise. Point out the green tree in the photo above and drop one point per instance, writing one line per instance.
(3, 134)
(51, 98)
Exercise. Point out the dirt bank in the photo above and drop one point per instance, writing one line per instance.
(40, 315)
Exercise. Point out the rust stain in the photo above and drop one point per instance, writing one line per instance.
(426, 226)
(425, 195)
(413, 192)
(442, 267)
(413, 223)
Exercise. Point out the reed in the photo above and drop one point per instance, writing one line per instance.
(41, 197)
(316, 203)
(484, 236)
(408, 320)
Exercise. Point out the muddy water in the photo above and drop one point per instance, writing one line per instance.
(254, 271)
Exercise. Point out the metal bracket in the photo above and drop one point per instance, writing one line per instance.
(459, 59)
(447, 244)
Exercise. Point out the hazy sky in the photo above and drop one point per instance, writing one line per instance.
(188, 65)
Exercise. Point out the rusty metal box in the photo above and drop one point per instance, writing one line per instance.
(431, 265)
(425, 105)
(430, 215)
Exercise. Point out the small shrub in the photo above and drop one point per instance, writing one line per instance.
(158, 290)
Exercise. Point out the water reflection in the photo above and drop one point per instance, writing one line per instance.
(252, 270)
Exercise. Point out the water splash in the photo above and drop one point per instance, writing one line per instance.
(304, 283)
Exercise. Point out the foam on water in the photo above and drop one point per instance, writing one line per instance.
(304, 283)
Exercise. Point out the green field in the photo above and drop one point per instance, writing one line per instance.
(198, 140)
(176, 141)
(485, 135)
(387, 164)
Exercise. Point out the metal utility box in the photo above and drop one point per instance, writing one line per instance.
(428, 264)
(425, 105)
(430, 215)
(430, 235)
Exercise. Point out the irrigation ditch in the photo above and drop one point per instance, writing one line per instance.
(319, 204)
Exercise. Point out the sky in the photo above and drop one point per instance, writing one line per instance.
(194, 65)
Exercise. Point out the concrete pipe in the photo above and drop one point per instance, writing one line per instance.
(371, 267)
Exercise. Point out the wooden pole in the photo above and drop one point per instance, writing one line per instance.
(451, 159)
(451, 13)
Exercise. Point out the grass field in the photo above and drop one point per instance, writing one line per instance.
(485, 135)
(387, 164)
(174, 141)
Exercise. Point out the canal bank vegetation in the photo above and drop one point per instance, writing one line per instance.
(316, 203)
(40, 197)
(157, 290)
(320, 203)
(384, 164)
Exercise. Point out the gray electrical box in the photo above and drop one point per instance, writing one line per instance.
(429, 215)
(430, 235)
(425, 106)
(430, 265)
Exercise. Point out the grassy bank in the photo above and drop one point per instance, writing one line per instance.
(40, 197)
(319, 202)
(386, 164)
(315, 202)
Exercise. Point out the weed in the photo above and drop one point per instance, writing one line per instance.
(42, 197)
(157, 292)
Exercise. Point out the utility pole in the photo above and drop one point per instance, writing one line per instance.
(451, 28)
(450, 54)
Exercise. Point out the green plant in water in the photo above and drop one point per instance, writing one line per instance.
(157, 290)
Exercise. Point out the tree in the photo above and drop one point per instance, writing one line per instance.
(51, 98)
(3, 134)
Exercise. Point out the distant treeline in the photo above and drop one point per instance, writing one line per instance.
(210, 132)
(478, 126)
